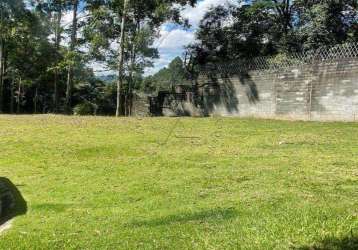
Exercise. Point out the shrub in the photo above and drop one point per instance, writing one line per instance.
(85, 108)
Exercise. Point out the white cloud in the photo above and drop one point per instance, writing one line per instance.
(67, 19)
(175, 39)
(196, 14)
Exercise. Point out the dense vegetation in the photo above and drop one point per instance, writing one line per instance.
(271, 27)
(106, 183)
(45, 64)
(167, 78)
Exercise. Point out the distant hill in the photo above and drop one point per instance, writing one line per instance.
(167, 77)
(108, 78)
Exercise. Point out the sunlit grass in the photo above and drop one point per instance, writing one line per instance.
(160, 183)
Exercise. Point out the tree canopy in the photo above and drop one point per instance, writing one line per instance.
(44, 61)
(269, 27)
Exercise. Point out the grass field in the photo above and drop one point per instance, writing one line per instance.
(106, 183)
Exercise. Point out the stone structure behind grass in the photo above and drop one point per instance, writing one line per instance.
(325, 87)
(316, 85)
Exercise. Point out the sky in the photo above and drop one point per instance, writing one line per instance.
(172, 38)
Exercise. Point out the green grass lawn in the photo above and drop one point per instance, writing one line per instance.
(160, 183)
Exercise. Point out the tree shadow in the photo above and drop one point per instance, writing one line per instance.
(251, 89)
(216, 93)
(52, 207)
(12, 203)
(211, 215)
(332, 243)
(224, 93)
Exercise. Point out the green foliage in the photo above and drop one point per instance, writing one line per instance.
(84, 108)
(167, 78)
(145, 17)
(37, 61)
(268, 27)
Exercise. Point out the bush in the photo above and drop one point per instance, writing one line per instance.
(84, 109)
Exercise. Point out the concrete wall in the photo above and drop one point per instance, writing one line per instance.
(324, 91)
(140, 105)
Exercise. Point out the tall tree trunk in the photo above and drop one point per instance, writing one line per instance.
(131, 82)
(120, 61)
(19, 97)
(57, 45)
(12, 95)
(35, 100)
(133, 57)
(69, 84)
(1, 74)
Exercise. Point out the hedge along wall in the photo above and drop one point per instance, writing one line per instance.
(325, 90)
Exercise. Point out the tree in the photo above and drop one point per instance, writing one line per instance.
(326, 22)
(10, 13)
(270, 27)
(73, 43)
(121, 58)
(56, 8)
(28, 54)
(177, 72)
(140, 55)
(119, 23)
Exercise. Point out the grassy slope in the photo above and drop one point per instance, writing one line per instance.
(216, 184)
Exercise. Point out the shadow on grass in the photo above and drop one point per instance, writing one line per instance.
(331, 243)
(12, 203)
(52, 207)
(212, 215)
